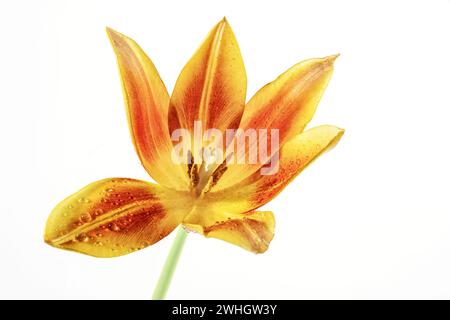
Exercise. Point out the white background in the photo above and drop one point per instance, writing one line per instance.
(371, 219)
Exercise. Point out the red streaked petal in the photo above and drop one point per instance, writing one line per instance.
(147, 103)
(212, 85)
(258, 189)
(287, 105)
(251, 231)
(113, 217)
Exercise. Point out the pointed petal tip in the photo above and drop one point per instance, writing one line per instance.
(224, 22)
(110, 31)
(337, 132)
(113, 35)
(47, 240)
(340, 134)
(332, 58)
(50, 241)
(341, 131)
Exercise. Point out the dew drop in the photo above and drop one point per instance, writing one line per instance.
(113, 227)
(85, 218)
(144, 244)
(82, 237)
(84, 200)
(98, 212)
(110, 190)
(98, 243)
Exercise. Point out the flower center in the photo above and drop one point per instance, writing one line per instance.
(203, 177)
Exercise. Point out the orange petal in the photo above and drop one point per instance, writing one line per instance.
(258, 189)
(212, 85)
(113, 217)
(252, 231)
(286, 104)
(147, 103)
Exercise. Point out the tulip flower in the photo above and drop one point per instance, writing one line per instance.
(117, 216)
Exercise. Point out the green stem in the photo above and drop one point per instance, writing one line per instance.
(169, 267)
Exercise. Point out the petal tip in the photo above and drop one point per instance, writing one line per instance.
(261, 251)
(49, 241)
(110, 31)
(341, 131)
(332, 58)
(115, 37)
(223, 22)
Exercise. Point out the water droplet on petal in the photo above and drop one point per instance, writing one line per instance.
(84, 200)
(85, 217)
(98, 212)
(82, 237)
(110, 190)
(113, 227)
(144, 244)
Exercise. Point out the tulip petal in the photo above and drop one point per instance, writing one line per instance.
(287, 105)
(252, 231)
(113, 217)
(258, 189)
(212, 85)
(147, 103)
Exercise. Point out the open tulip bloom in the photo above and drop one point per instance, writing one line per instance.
(215, 159)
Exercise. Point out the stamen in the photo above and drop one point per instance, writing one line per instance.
(217, 174)
(195, 178)
(190, 162)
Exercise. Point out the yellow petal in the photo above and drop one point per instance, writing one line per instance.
(252, 231)
(258, 189)
(286, 104)
(113, 217)
(147, 103)
(212, 85)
